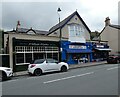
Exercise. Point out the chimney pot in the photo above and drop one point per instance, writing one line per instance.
(107, 21)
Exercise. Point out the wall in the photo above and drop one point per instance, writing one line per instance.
(111, 35)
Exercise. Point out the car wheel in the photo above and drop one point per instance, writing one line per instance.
(37, 72)
(63, 69)
(4, 76)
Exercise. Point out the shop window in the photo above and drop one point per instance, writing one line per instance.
(39, 56)
(55, 56)
(28, 57)
(49, 55)
(20, 58)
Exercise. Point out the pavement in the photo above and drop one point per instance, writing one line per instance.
(73, 66)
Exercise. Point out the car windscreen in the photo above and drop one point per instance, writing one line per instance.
(38, 61)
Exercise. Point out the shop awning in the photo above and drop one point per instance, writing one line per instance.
(78, 51)
(103, 49)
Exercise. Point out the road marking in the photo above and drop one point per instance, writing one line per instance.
(67, 77)
(112, 68)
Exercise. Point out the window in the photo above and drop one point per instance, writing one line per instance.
(52, 61)
(39, 61)
(76, 30)
(28, 57)
(31, 32)
(19, 58)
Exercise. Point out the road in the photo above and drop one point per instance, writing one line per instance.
(95, 80)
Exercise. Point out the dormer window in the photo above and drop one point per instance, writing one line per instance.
(31, 31)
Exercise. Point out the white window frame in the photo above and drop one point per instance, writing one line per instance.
(76, 31)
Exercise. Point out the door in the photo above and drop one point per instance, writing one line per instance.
(52, 65)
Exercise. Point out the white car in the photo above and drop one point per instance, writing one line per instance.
(40, 66)
(5, 73)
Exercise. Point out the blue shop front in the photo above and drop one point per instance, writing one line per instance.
(100, 51)
(76, 53)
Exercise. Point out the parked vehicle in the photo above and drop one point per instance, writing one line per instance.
(113, 58)
(40, 66)
(5, 73)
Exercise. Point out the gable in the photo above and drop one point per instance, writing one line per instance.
(109, 33)
(75, 20)
(66, 20)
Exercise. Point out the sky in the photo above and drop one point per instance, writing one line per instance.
(42, 14)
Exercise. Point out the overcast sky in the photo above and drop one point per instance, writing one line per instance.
(42, 15)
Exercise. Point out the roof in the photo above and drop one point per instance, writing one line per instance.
(115, 26)
(25, 30)
(65, 21)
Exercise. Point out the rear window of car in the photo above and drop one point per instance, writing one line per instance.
(38, 61)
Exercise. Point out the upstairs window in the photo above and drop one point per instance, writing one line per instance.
(76, 30)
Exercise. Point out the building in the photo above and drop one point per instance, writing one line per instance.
(74, 46)
(24, 45)
(77, 33)
(100, 48)
(111, 34)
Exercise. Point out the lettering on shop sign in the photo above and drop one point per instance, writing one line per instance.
(100, 46)
(20, 42)
(77, 47)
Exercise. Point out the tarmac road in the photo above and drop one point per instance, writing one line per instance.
(95, 80)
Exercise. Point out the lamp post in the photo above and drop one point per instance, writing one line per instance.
(59, 10)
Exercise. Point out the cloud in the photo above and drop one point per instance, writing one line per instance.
(43, 15)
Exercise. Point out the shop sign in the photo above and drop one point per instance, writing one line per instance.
(77, 47)
(100, 46)
(21, 42)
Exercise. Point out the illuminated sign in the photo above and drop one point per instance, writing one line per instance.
(77, 47)
(100, 46)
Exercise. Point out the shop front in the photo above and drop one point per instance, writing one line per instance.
(27, 50)
(76, 53)
(100, 51)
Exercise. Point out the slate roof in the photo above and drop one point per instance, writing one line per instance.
(65, 21)
(115, 26)
(25, 30)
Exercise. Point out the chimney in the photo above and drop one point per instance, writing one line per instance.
(18, 25)
(107, 21)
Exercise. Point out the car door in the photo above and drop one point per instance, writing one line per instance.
(52, 65)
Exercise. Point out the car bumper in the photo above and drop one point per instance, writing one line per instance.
(112, 61)
(30, 70)
(9, 74)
